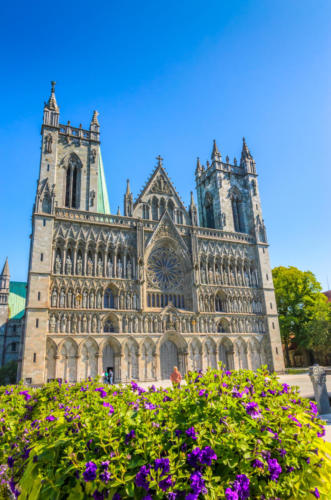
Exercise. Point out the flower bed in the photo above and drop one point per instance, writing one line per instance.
(226, 435)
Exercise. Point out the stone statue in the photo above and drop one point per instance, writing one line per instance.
(100, 268)
(68, 265)
(99, 300)
(58, 264)
(48, 143)
(74, 324)
(129, 270)
(52, 324)
(94, 324)
(79, 266)
(54, 298)
(134, 301)
(110, 268)
(90, 266)
(93, 155)
(119, 268)
(62, 298)
(210, 275)
(92, 296)
(85, 299)
(318, 377)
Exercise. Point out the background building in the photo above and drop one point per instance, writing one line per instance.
(162, 285)
(12, 306)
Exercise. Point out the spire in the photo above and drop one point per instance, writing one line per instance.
(118, 211)
(245, 153)
(5, 269)
(193, 211)
(128, 200)
(95, 120)
(128, 190)
(216, 155)
(52, 104)
(198, 169)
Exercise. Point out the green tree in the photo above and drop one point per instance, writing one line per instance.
(304, 312)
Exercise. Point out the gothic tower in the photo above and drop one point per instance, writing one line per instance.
(4, 308)
(71, 178)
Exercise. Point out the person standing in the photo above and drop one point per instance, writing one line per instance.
(111, 376)
(176, 377)
(106, 377)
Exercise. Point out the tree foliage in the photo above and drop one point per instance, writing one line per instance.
(304, 312)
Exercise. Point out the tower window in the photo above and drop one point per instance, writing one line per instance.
(37, 323)
(270, 305)
(34, 357)
(267, 276)
(44, 222)
(273, 325)
(209, 207)
(38, 295)
(72, 183)
(47, 167)
(41, 257)
(237, 215)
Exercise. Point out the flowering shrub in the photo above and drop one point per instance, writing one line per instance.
(225, 435)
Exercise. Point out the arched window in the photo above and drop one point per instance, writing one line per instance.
(223, 326)
(209, 207)
(108, 327)
(162, 207)
(145, 212)
(171, 209)
(220, 303)
(109, 299)
(155, 210)
(72, 183)
(237, 215)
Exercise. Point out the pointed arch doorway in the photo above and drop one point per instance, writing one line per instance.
(169, 358)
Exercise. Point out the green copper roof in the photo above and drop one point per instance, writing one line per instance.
(103, 202)
(16, 301)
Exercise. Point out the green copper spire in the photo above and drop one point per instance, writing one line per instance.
(103, 202)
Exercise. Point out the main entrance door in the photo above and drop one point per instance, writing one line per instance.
(169, 358)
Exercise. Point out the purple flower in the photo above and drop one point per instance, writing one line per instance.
(292, 417)
(166, 398)
(193, 457)
(274, 469)
(165, 484)
(207, 454)
(162, 464)
(257, 463)
(10, 462)
(50, 418)
(316, 493)
(130, 436)
(289, 469)
(197, 483)
(202, 392)
(150, 406)
(90, 472)
(191, 433)
(236, 393)
(282, 452)
(141, 477)
(286, 389)
(322, 433)
(26, 395)
(313, 408)
(105, 476)
(230, 494)
(147, 497)
(253, 410)
(97, 495)
(117, 496)
(105, 465)
(178, 432)
(101, 391)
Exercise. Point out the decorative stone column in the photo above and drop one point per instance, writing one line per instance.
(157, 366)
(318, 377)
(99, 364)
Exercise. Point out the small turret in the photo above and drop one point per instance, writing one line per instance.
(198, 169)
(247, 160)
(128, 200)
(215, 155)
(51, 109)
(193, 211)
(4, 284)
(118, 211)
(95, 126)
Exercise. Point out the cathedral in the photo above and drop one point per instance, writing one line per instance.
(159, 286)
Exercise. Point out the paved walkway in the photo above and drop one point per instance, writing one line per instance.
(302, 381)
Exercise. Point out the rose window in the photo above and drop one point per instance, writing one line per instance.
(164, 269)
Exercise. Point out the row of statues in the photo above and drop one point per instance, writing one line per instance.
(112, 271)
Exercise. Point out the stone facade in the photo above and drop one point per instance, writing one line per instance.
(150, 289)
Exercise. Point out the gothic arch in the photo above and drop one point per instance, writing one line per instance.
(223, 326)
(209, 348)
(68, 360)
(225, 353)
(51, 353)
(88, 351)
(72, 177)
(209, 210)
(131, 351)
(195, 354)
(148, 349)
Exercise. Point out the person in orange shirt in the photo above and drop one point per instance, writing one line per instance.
(176, 377)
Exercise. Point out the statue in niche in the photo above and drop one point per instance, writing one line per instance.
(68, 265)
(93, 155)
(74, 324)
(210, 275)
(99, 300)
(94, 324)
(85, 299)
(203, 275)
(52, 324)
(223, 220)
(135, 324)
(58, 264)
(63, 324)
(110, 268)
(89, 266)
(92, 197)
(134, 301)
(62, 298)
(100, 267)
(119, 268)
(48, 143)
(129, 270)
(54, 298)
(121, 301)
(79, 266)
(92, 296)
(84, 323)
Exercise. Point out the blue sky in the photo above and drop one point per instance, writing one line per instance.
(167, 78)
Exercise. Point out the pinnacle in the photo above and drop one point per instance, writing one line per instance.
(192, 199)
(245, 153)
(52, 104)
(5, 269)
(118, 211)
(128, 190)
(95, 120)
(216, 155)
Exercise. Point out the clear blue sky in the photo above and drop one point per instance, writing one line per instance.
(168, 77)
